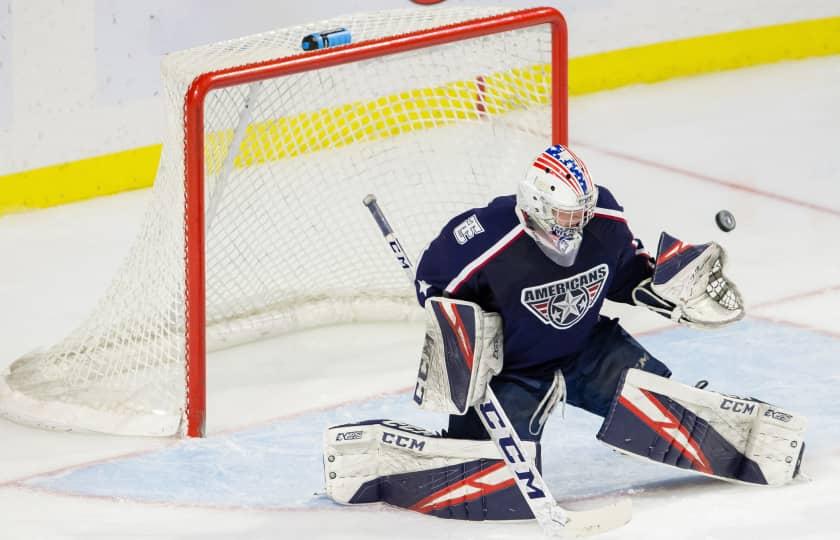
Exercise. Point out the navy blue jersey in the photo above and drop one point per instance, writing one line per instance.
(484, 256)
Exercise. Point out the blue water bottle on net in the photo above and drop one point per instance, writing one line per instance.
(322, 40)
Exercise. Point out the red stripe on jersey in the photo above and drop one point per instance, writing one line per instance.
(485, 261)
(608, 216)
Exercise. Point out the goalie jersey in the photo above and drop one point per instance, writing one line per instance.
(485, 256)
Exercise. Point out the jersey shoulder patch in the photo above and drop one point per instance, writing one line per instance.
(469, 241)
(479, 228)
(467, 229)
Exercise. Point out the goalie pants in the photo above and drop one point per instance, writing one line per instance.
(592, 377)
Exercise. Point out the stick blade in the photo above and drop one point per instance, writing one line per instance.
(605, 517)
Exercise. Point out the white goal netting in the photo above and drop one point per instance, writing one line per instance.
(289, 244)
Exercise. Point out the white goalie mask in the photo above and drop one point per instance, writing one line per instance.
(555, 201)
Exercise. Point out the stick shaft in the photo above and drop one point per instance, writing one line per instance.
(390, 237)
(551, 517)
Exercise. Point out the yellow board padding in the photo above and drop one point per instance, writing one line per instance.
(387, 116)
(423, 109)
(78, 180)
(704, 54)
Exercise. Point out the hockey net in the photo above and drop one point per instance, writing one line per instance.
(439, 117)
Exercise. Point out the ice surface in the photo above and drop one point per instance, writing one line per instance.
(749, 356)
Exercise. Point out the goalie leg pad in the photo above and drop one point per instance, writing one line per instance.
(727, 437)
(409, 467)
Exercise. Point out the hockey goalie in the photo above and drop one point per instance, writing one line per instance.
(513, 293)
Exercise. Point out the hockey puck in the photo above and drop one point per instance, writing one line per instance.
(725, 220)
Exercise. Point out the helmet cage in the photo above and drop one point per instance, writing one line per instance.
(557, 219)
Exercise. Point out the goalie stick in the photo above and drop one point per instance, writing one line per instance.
(553, 518)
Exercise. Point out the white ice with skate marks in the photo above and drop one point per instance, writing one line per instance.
(576, 465)
(667, 163)
(276, 467)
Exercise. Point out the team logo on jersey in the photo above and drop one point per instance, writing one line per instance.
(563, 303)
(467, 230)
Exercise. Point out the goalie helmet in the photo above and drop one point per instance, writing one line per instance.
(555, 201)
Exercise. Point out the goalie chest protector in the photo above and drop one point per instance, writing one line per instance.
(548, 311)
